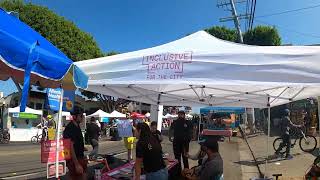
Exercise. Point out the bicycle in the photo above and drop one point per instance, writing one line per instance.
(4, 136)
(39, 137)
(307, 143)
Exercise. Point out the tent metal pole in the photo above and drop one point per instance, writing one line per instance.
(268, 139)
(58, 133)
(199, 124)
(318, 101)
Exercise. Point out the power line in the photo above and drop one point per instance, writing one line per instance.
(290, 30)
(289, 11)
(247, 10)
(251, 12)
(254, 10)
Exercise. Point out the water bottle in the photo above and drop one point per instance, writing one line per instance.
(97, 174)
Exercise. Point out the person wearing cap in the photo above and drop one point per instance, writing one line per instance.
(93, 131)
(51, 122)
(212, 168)
(182, 134)
(77, 165)
(285, 127)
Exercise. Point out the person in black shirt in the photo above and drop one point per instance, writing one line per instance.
(286, 127)
(149, 153)
(182, 134)
(156, 133)
(93, 132)
(78, 164)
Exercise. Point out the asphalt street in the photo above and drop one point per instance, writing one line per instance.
(22, 160)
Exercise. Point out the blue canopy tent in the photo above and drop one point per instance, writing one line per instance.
(235, 110)
(29, 58)
(228, 110)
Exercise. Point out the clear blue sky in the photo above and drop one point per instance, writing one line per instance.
(128, 25)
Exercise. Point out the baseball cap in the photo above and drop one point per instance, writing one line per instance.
(211, 143)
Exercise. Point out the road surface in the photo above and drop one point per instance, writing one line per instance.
(22, 160)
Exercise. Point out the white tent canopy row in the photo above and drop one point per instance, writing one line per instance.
(28, 110)
(101, 114)
(169, 116)
(202, 70)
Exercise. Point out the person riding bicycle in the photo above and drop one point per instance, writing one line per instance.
(285, 127)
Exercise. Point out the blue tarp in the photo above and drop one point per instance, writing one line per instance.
(22, 49)
(236, 110)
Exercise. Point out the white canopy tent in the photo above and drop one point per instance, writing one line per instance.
(201, 70)
(169, 116)
(99, 114)
(147, 114)
(116, 114)
(189, 116)
(28, 110)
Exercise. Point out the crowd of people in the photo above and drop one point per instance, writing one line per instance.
(149, 158)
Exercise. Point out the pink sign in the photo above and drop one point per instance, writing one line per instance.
(48, 150)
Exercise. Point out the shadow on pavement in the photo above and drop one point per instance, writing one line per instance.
(315, 153)
(261, 160)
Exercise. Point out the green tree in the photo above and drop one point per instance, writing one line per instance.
(111, 53)
(64, 34)
(223, 33)
(262, 36)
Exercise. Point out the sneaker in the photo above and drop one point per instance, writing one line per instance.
(277, 154)
(289, 157)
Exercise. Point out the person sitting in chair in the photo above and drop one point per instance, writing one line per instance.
(212, 167)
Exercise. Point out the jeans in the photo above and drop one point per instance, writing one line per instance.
(95, 148)
(285, 143)
(161, 174)
(179, 149)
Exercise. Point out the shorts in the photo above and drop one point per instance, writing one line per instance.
(129, 142)
(72, 169)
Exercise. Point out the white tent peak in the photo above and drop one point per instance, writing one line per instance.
(99, 113)
(116, 114)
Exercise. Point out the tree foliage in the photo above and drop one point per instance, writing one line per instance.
(260, 35)
(64, 34)
(223, 32)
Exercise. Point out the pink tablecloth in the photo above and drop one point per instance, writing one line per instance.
(129, 167)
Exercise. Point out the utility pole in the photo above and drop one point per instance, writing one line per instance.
(230, 6)
(236, 21)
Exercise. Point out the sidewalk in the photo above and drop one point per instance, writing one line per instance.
(290, 169)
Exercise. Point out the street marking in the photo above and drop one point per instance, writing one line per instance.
(119, 154)
(20, 176)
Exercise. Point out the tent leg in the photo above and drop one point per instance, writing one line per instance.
(199, 124)
(58, 133)
(318, 101)
(268, 138)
